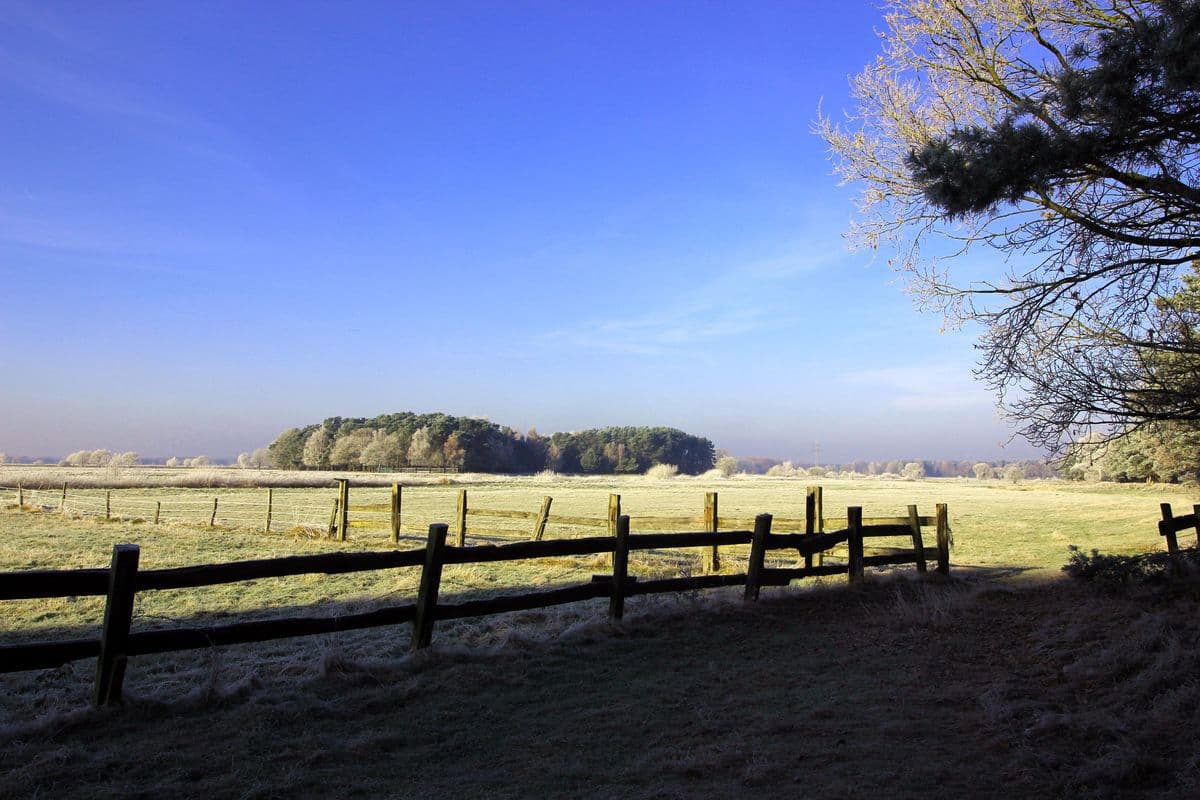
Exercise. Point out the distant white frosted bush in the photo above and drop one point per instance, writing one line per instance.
(126, 459)
(727, 466)
(785, 470)
(88, 458)
(661, 471)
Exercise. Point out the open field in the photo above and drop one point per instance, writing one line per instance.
(691, 695)
(1023, 527)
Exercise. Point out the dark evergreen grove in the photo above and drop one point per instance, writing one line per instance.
(476, 445)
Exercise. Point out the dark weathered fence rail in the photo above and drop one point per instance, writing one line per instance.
(1170, 525)
(708, 519)
(121, 582)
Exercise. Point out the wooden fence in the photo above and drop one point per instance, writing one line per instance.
(708, 519)
(123, 580)
(230, 510)
(1170, 525)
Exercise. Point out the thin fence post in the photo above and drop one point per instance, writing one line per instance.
(118, 616)
(461, 540)
(212, 521)
(914, 522)
(344, 508)
(758, 556)
(616, 603)
(431, 580)
(810, 519)
(814, 517)
(62, 504)
(614, 513)
(854, 523)
(1169, 532)
(270, 508)
(157, 510)
(712, 556)
(395, 513)
(539, 525)
(333, 519)
(108, 504)
(1196, 516)
(943, 539)
(20, 496)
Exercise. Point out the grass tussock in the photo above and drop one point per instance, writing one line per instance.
(661, 472)
(1120, 571)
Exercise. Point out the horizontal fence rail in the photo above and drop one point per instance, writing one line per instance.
(1170, 525)
(123, 580)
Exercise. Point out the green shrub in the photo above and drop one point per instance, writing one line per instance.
(1115, 571)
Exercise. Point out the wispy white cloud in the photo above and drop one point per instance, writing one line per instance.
(925, 387)
(660, 333)
(66, 80)
(741, 300)
(107, 246)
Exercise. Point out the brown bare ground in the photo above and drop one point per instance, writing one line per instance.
(896, 689)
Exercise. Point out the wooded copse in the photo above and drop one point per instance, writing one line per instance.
(476, 445)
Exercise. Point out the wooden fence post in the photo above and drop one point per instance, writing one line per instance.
(20, 496)
(270, 508)
(810, 519)
(157, 510)
(539, 525)
(431, 580)
(118, 616)
(854, 523)
(343, 524)
(712, 557)
(1169, 533)
(213, 519)
(614, 513)
(814, 522)
(396, 513)
(333, 519)
(62, 504)
(758, 555)
(461, 541)
(914, 522)
(943, 539)
(616, 603)
(108, 504)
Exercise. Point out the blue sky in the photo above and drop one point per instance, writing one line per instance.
(220, 220)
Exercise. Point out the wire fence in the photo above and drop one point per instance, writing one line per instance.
(259, 509)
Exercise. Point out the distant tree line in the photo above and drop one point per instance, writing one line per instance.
(476, 445)
(907, 468)
(99, 458)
